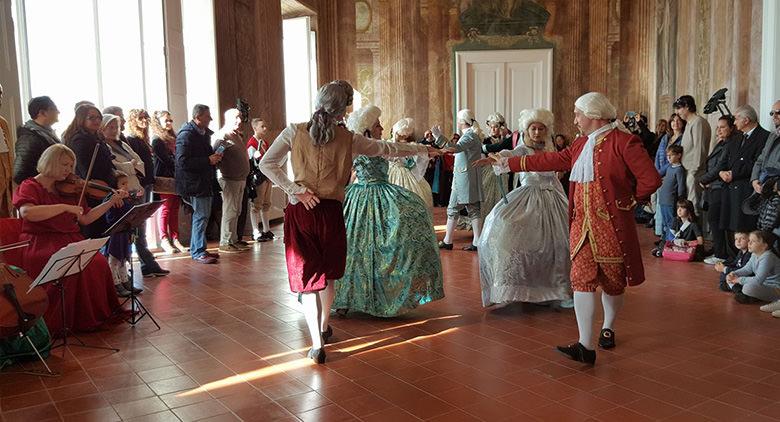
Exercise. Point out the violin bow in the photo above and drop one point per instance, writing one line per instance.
(15, 245)
(89, 174)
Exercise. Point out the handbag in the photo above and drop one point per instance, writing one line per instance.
(165, 185)
(680, 251)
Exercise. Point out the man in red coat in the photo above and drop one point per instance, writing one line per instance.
(610, 174)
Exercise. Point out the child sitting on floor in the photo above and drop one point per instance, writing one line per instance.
(739, 261)
(684, 229)
(759, 279)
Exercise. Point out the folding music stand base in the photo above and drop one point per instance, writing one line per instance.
(135, 303)
(66, 329)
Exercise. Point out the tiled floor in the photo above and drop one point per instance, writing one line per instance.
(232, 347)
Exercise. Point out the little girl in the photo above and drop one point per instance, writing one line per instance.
(684, 229)
(117, 249)
(759, 279)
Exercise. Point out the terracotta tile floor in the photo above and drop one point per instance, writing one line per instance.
(232, 347)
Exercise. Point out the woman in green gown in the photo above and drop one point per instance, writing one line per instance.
(392, 259)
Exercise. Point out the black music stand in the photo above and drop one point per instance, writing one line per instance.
(128, 223)
(68, 261)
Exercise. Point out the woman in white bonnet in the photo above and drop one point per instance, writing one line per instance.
(524, 249)
(393, 263)
(500, 139)
(409, 172)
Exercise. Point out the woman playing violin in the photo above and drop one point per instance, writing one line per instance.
(51, 220)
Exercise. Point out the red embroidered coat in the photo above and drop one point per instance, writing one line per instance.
(626, 176)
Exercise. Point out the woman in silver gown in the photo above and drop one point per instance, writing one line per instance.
(524, 250)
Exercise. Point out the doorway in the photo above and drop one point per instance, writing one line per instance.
(504, 81)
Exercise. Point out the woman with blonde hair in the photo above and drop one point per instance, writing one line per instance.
(138, 138)
(51, 221)
(409, 172)
(524, 249)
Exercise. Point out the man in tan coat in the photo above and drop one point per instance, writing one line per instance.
(6, 164)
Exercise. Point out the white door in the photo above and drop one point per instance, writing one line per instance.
(504, 81)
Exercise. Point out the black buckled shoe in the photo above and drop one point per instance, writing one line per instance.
(579, 353)
(447, 246)
(327, 334)
(607, 339)
(471, 248)
(317, 355)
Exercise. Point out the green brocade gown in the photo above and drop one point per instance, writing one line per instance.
(393, 261)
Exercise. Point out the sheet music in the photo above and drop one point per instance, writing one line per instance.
(62, 264)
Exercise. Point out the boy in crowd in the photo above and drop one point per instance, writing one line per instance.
(672, 189)
(739, 261)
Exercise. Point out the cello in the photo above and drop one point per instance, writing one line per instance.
(20, 310)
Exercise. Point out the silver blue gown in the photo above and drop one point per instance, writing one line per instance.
(393, 261)
(524, 248)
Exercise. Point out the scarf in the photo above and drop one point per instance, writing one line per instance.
(582, 171)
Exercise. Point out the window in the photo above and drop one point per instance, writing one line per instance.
(300, 72)
(110, 53)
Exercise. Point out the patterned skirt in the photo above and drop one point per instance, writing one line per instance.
(392, 259)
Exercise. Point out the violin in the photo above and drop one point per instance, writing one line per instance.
(73, 185)
(19, 310)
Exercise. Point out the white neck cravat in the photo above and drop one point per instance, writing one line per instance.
(582, 171)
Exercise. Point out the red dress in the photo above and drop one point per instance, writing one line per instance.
(90, 296)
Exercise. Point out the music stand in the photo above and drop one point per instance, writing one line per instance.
(128, 223)
(70, 260)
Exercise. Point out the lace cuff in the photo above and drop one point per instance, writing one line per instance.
(502, 166)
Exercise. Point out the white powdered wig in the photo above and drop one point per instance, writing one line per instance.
(363, 118)
(536, 115)
(596, 105)
(467, 116)
(403, 128)
(496, 119)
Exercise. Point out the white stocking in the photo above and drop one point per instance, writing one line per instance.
(311, 311)
(451, 223)
(264, 218)
(326, 300)
(584, 308)
(612, 305)
(476, 226)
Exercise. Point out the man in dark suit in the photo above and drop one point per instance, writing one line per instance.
(770, 156)
(736, 168)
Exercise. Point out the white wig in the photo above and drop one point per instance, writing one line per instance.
(403, 128)
(496, 119)
(363, 118)
(537, 115)
(596, 105)
(467, 116)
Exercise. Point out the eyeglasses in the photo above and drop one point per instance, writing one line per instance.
(774, 113)
(93, 117)
(168, 120)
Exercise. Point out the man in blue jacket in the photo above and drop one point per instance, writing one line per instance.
(195, 175)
